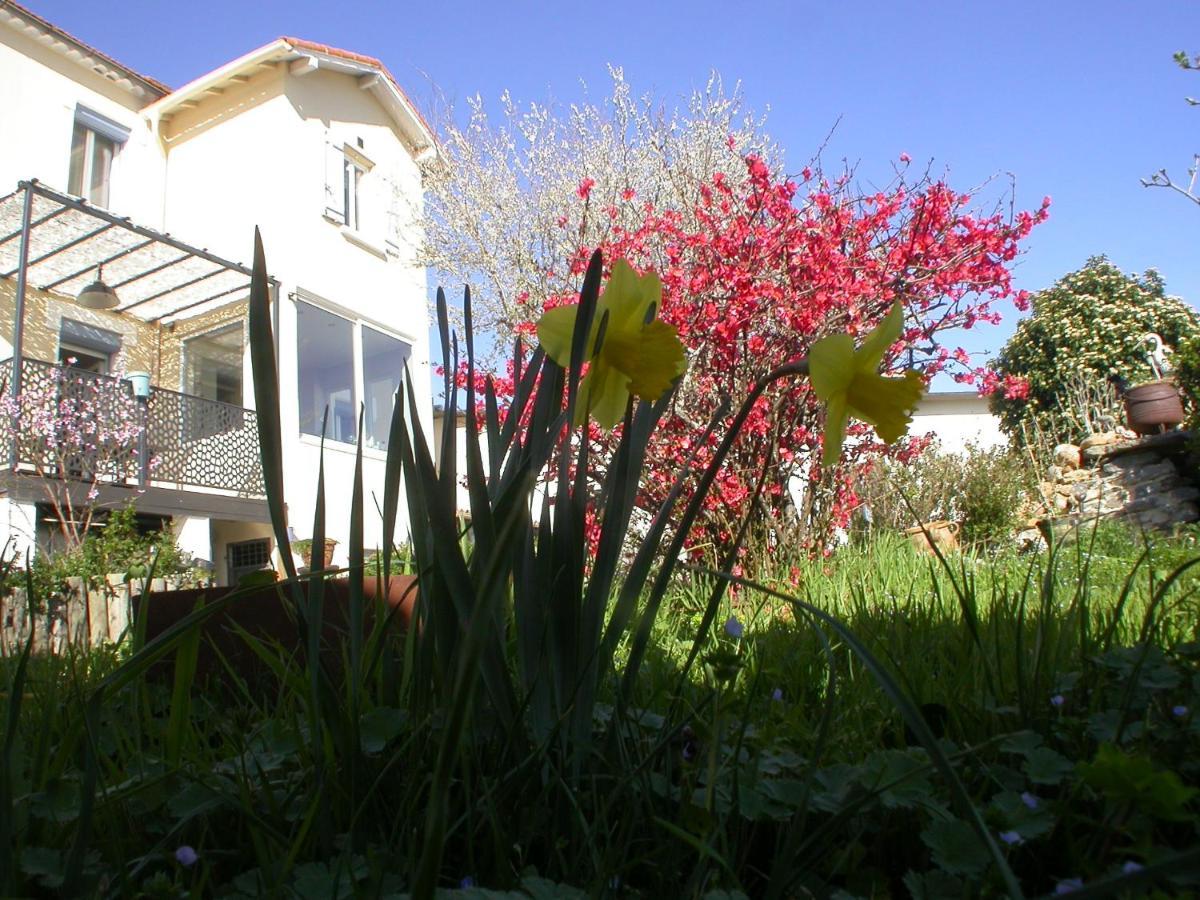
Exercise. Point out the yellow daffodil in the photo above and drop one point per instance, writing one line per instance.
(635, 356)
(849, 383)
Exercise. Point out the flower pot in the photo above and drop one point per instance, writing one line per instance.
(400, 594)
(1153, 407)
(305, 550)
(942, 533)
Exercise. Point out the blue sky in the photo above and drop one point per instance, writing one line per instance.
(1073, 99)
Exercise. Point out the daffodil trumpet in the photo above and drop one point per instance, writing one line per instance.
(848, 382)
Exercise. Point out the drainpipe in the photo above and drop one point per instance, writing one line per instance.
(18, 341)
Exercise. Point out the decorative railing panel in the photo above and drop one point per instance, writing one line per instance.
(192, 440)
(71, 423)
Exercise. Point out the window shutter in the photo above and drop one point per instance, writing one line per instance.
(335, 198)
(391, 234)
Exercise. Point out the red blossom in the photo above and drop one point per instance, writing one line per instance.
(755, 273)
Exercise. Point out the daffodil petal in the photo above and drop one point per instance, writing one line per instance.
(887, 403)
(831, 365)
(555, 330)
(652, 358)
(603, 395)
(835, 429)
(628, 296)
(876, 344)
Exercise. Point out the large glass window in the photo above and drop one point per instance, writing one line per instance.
(325, 348)
(326, 352)
(383, 364)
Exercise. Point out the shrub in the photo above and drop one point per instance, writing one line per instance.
(119, 546)
(982, 490)
(1187, 376)
(1088, 326)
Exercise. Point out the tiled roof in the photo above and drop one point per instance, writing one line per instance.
(153, 83)
(358, 58)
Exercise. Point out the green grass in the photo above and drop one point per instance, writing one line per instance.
(563, 722)
(714, 781)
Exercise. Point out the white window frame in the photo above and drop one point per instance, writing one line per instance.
(357, 324)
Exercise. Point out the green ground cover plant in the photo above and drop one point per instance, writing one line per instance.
(873, 723)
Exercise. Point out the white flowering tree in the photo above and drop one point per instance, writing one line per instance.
(75, 431)
(497, 200)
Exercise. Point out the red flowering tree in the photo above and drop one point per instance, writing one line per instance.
(755, 267)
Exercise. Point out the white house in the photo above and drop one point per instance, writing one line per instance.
(958, 419)
(320, 149)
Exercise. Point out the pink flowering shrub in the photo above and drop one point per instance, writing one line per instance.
(75, 431)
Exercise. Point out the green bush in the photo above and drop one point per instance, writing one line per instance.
(117, 546)
(1088, 327)
(1187, 377)
(983, 490)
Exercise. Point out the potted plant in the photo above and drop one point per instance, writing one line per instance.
(1154, 406)
(303, 548)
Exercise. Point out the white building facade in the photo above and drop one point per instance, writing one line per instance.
(317, 147)
(958, 419)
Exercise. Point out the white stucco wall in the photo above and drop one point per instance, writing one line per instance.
(222, 183)
(250, 154)
(40, 92)
(958, 419)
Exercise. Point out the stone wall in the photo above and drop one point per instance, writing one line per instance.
(1148, 482)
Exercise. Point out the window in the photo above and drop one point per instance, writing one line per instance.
(87, 347)
(351, 189)
(352, 174)
(383, 363)
(213, 368)
(325, 354)
(245, 557)
(212, 371)
(333, 354)
(95, 141)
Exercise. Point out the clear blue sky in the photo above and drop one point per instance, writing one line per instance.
(1075, 98)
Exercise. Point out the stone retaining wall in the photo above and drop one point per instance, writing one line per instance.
(1148, 482)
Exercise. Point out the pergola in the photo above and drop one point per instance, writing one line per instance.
(50, 241)
(55, 242)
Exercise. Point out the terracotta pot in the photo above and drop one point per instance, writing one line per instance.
(942, 533)
(263, 614)
(1153, 407)
(400, 594)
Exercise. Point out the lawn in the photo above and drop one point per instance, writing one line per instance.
(1059, 691)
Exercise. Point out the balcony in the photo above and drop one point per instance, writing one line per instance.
(75, 425)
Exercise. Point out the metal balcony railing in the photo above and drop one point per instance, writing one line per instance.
(71, 423)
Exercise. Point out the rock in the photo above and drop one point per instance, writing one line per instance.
(1031, 540)
(1078, 476)
(1067, 456)
(1132, 463)
(1100, 439)
(1061, 503)
(1053, 473)
(1126, 434)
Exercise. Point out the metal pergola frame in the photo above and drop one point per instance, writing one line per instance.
(63, 240)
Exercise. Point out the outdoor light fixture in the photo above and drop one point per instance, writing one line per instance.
(98, 295)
